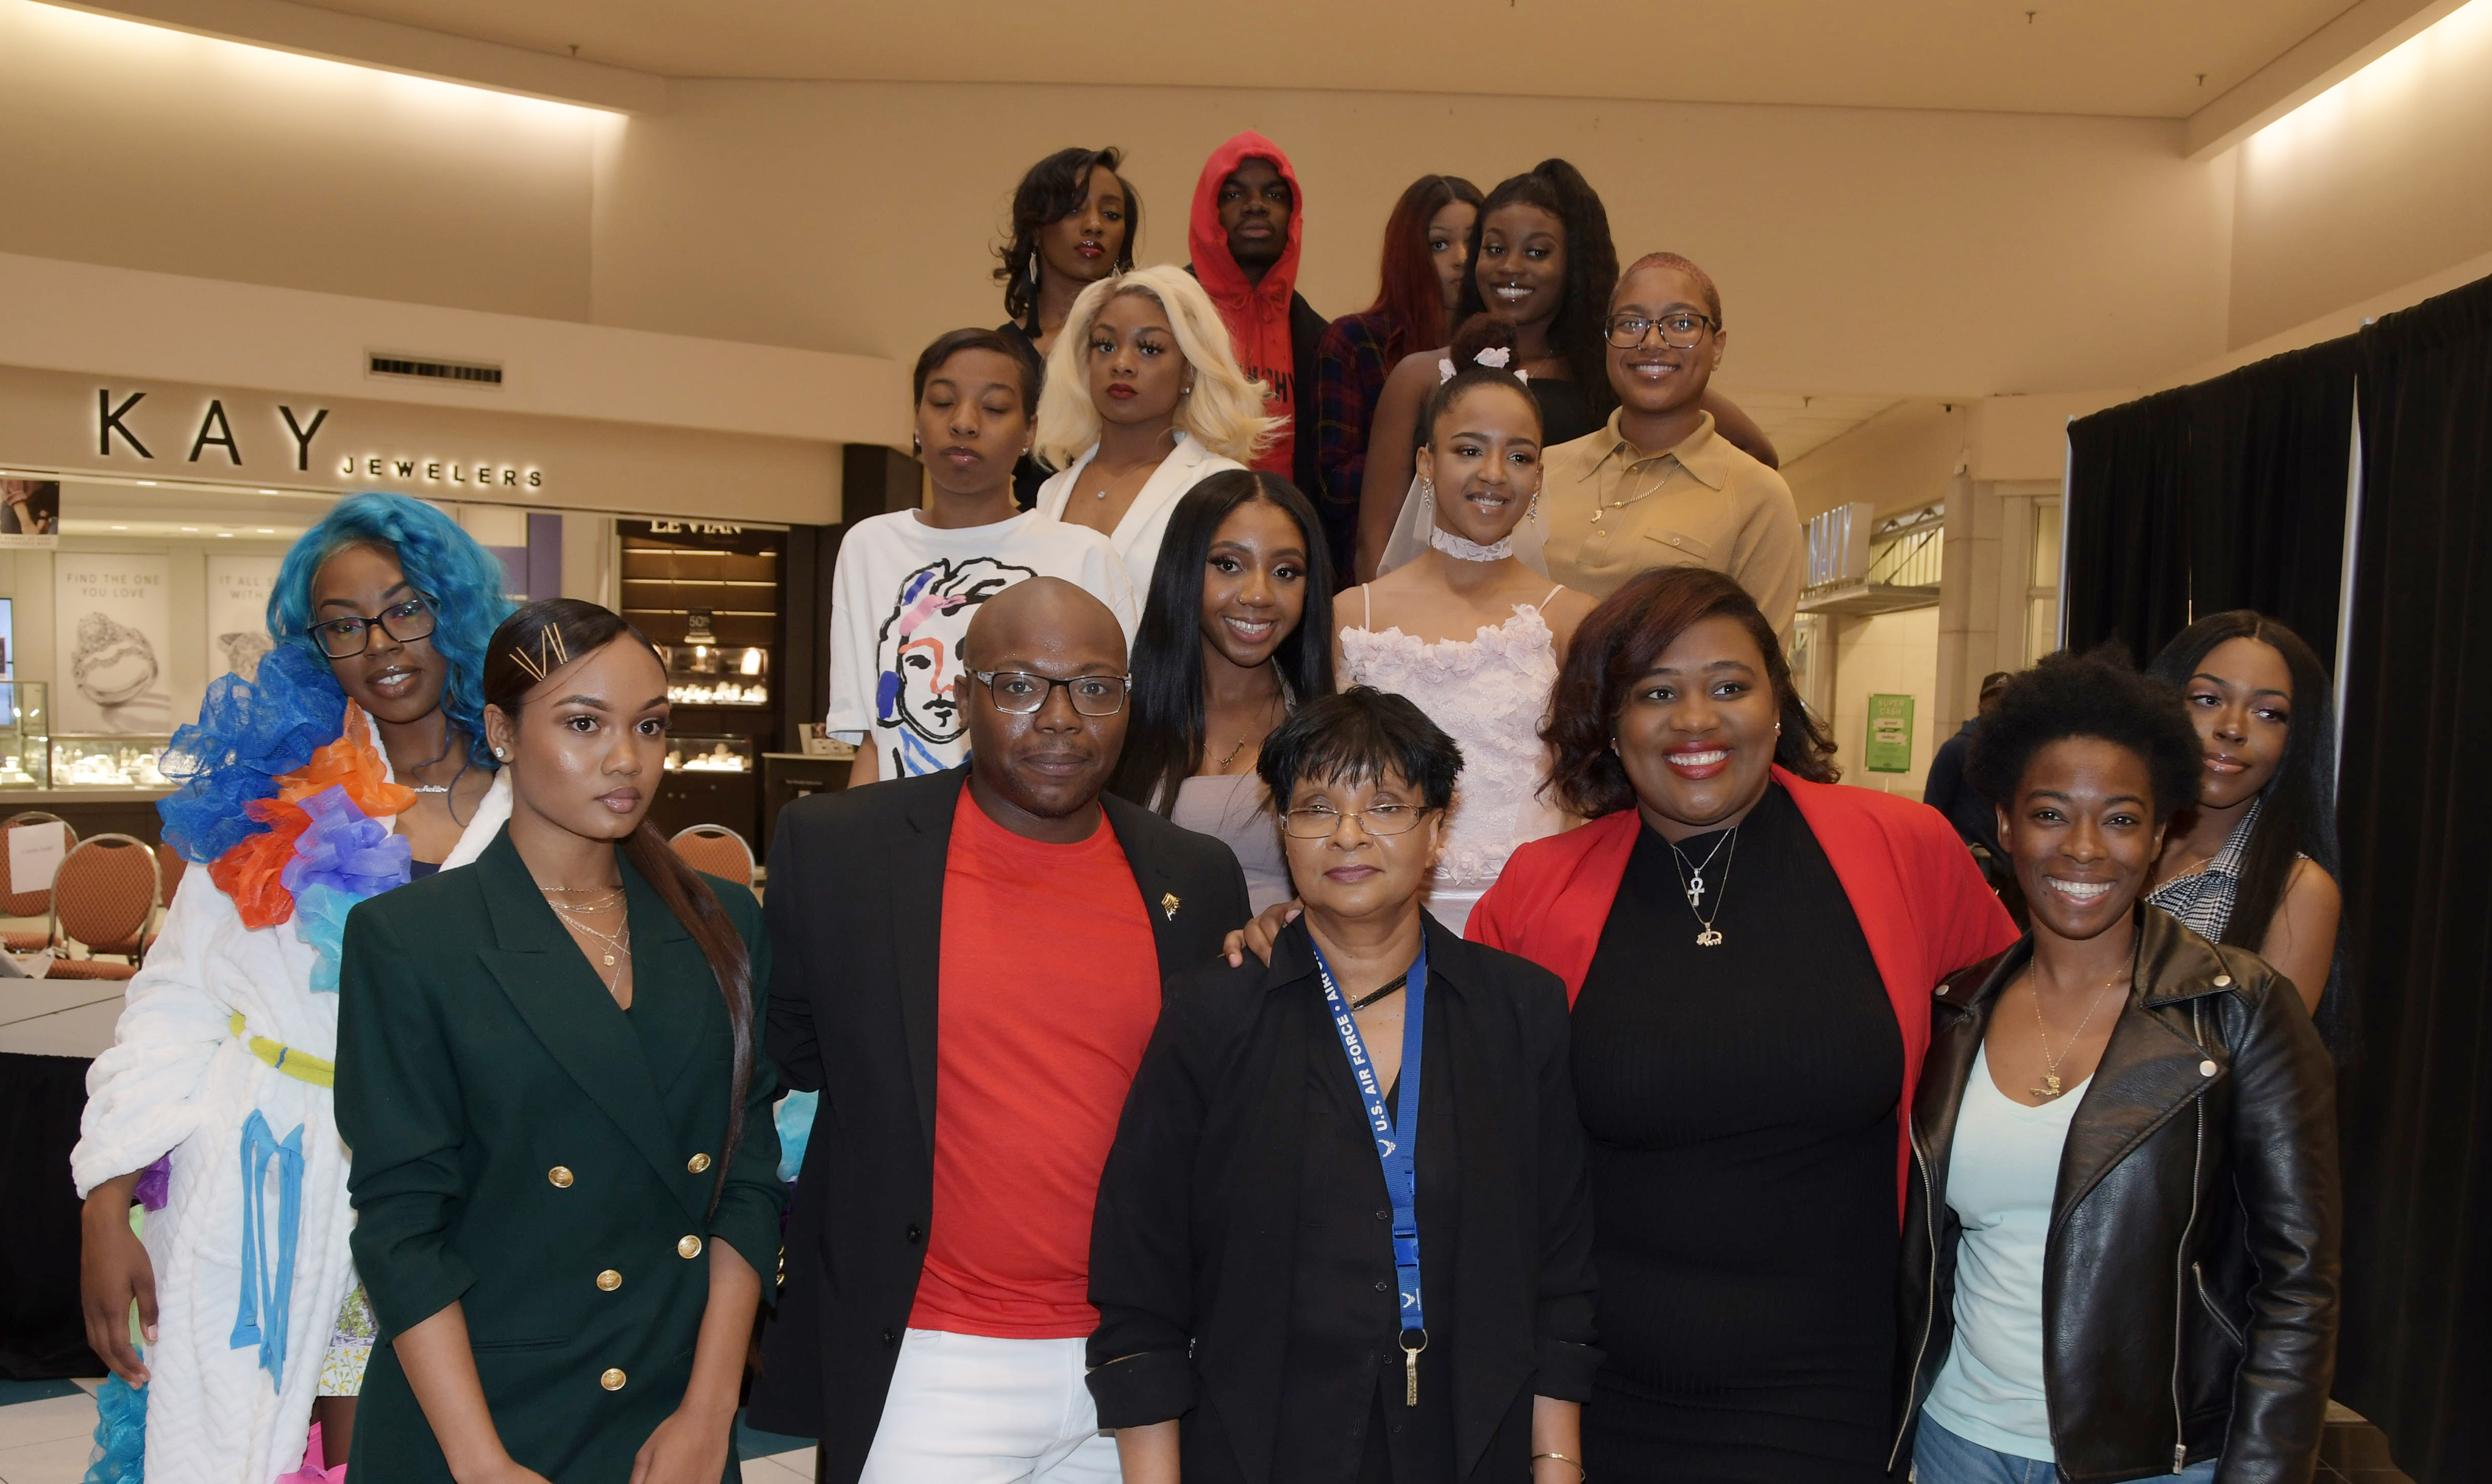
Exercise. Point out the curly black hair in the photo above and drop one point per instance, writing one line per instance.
(2093, 695)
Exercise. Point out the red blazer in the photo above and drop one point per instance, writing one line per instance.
(1921, 903)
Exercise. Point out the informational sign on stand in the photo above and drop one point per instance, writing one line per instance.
(1891, 734)
(35, 852)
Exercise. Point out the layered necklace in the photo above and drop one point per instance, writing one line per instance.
(614, 947)
(1691, 881)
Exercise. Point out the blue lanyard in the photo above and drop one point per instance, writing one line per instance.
(1397, 1143)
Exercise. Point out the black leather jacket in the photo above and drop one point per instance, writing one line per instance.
(2190, 1290)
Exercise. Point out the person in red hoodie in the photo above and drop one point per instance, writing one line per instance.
(1243, 236)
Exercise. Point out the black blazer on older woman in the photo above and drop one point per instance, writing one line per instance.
(1240, 1257)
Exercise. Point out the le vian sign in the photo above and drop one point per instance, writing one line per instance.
(125, 429)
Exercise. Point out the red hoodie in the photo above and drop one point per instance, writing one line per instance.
(1258, 314)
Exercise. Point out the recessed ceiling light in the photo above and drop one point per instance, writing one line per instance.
(268, 530)
(121, 528)
(268, 491)
(225, 535)
(149, 483)
(192, 529)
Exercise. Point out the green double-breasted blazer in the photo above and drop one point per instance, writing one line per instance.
(528, 1148)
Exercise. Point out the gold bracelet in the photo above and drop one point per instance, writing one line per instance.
(1563, 1459)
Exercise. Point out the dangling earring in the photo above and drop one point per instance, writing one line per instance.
(916, 446)
(1034, 267)
(1426, 494)
(1534, 511)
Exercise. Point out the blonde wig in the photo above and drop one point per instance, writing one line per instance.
(1225, 410)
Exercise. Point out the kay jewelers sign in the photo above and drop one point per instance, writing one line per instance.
(1891, 734)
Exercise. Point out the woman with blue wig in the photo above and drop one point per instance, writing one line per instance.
(353, 760)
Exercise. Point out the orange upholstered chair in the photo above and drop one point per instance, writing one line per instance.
(716, 849)
(105, 891)
(26, 903)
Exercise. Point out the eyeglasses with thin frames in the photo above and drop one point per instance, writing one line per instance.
(1323, 821)
(1018, 692)
(1680, 329)
(344, 638)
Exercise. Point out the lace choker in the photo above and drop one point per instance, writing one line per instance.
(1461, 551)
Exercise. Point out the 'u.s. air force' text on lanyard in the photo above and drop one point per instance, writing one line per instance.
(1397, 1144)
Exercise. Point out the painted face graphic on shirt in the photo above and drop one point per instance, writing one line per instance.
(919, 653)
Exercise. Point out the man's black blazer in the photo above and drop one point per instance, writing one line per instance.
(854, 907)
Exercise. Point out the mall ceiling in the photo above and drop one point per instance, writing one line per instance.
(2137, 58)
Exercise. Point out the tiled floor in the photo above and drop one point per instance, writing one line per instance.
(46, 1437)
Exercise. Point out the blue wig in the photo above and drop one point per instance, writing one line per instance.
(442, 562)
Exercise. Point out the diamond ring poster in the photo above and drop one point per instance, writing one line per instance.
(111, 628)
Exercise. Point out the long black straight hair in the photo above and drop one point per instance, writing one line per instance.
(1163, 741)
(2297, 806)
(515, 663)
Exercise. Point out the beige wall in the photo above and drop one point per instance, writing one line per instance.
(2386, 178)
(1857, 250)
(1892, 654)
(1904, 457)
(147, 148)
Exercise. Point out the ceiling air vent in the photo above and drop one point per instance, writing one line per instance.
(429, 369)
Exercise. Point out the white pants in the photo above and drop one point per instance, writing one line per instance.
(970, 1410)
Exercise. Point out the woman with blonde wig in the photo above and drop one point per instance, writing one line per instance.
(1144, 399)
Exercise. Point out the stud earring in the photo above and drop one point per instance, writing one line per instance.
(497, 752)
(916, 446)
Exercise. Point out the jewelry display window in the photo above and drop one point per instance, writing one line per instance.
(25, 735)
(95, 762)
(717, 674)
(691, 754)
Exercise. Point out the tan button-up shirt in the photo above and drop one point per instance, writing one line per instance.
(1705, 504)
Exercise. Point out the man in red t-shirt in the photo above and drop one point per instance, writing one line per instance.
(967, 965)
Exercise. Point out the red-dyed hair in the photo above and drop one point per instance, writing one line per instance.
(1408, 294)
(1614, 648)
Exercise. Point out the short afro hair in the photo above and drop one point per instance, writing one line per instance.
(2095, 694)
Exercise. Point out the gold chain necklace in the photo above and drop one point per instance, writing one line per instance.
(2051, 1087)
(1669, 469)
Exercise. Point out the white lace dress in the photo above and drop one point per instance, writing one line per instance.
(1489, 693)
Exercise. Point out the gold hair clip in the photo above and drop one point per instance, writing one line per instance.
(551, 655)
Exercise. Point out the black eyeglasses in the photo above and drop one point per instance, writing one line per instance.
(1018, 692)
(344, 638)
(1680, 329)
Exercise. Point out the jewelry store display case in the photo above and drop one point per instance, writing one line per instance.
(99, 761)
(25, 737)
(713, 598)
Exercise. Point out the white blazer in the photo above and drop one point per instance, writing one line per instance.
(1137, 537)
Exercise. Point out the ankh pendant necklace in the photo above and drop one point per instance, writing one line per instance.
(1691, 881)
(2050, 1087)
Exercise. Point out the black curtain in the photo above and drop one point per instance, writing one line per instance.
(2229, 494)
(2417, 1353)
(2128, 524)
(42, 1334)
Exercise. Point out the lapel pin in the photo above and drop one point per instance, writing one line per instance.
(1168, 905)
